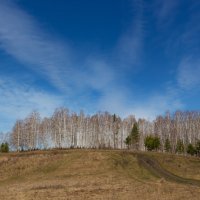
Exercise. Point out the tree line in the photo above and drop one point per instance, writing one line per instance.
(172, 132)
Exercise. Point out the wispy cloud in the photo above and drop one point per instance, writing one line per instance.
(189, 73)
(18, 100)
(124, 103)
(127, 53)
(158, 104)
(104, 74)
(22, 38)
(182, 44)
(98, 74)
(129, 47)
(164, 10)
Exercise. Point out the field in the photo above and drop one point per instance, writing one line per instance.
(98, 174)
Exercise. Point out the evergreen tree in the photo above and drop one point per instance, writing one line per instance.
(152, 143)
(148, 143)
(133, 139)
(135, 136)
(156, 143)
(191, 149)
(114, 117)
(180, 147)
(128, 141)
(167, 145)
(197, 146)
(4, 147)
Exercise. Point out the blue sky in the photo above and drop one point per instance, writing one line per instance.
(126, 57)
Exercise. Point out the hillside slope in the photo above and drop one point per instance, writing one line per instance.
(94, 174)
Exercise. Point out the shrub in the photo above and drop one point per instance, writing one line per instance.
(152, 143)
(191, 149)
(4, 147)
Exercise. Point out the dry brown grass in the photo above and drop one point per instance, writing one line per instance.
(84, 174)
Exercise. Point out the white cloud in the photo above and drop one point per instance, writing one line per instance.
(129, 47)
(124, 103)
(158, 104)
(98, 74)
(114, 101)
(164, 10)
(189, 73)
(17, 101)
(22, 38)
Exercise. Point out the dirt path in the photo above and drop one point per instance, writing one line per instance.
(154, 167)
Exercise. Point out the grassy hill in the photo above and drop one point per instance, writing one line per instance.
(96, 174)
